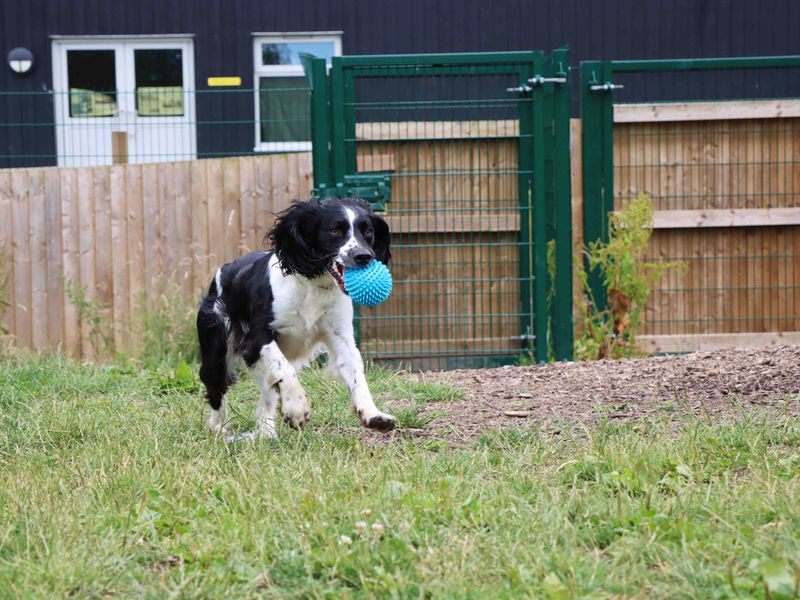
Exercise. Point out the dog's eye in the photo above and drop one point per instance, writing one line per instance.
(335, 232)
(369, 233)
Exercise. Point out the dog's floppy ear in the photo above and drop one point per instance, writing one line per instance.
(381, 244)
(292, 239)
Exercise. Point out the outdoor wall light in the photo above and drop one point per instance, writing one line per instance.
(20, 60)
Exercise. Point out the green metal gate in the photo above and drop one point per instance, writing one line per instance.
(468, 156)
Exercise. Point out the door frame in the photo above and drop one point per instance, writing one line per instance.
(123, 46)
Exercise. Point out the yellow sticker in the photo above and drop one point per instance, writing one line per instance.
(222, 81)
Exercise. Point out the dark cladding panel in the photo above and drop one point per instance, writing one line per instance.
(222, 29)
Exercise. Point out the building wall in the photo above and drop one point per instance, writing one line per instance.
(609, 29)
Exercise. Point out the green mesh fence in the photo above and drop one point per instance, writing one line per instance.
(724, 175)
(451, 144)
(89, 127)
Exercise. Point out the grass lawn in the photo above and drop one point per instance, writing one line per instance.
(110, 486)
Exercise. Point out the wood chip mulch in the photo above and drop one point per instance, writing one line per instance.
(719, 386)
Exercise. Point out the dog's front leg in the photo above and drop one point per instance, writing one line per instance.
(277, 377)
(347, 364)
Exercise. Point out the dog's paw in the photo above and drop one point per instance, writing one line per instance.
(296, 421)
(295, 407)
(381, 422)
(216, 425)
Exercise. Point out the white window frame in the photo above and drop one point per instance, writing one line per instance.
(260, 70)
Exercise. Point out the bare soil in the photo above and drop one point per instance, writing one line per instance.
(719, 386)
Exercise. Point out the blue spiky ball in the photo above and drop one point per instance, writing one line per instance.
(368, 285)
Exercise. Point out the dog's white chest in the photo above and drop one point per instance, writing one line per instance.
(302, 317)
(304, 310)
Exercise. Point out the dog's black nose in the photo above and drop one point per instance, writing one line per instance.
(363, 259)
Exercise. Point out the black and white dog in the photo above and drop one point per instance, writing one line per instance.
(278, 310)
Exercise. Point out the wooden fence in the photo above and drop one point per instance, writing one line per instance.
(126, 233)
(725, 183)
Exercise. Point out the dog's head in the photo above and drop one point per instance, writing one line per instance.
(312, 237)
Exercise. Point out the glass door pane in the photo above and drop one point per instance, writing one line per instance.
(92, 83)
(159, 82)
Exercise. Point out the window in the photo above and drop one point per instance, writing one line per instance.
(159, 82)
(92, 83)
(283, 117)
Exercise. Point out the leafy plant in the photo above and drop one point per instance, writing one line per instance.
(89, 314)
(179, 379)
(551, 295)
(5, 334)
(164, 329)
(611, 332)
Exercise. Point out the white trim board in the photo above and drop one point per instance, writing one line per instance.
(706, 111)
(118, 37)
(739, 217)
(714, 341)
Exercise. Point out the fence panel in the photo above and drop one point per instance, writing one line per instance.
(724, 178)
(728, 205)
(119, 235)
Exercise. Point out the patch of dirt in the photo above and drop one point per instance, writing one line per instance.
(719, 386)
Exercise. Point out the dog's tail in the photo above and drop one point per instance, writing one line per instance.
(213, 336)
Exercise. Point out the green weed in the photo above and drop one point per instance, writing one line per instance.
(5, 334)
(430, 391)
(89, 315)
(164, 328)
(628, 278)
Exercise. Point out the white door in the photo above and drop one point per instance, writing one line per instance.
(124, 101)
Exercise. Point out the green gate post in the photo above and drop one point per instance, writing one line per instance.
(317, 75)
(349, 100)
(562, 195)
(337, 121)
(525, 167)
(541, 118)
(597, 114)
(543, 97)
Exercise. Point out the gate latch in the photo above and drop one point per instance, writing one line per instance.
(522, 89)
(540, 80)
(606, 87)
